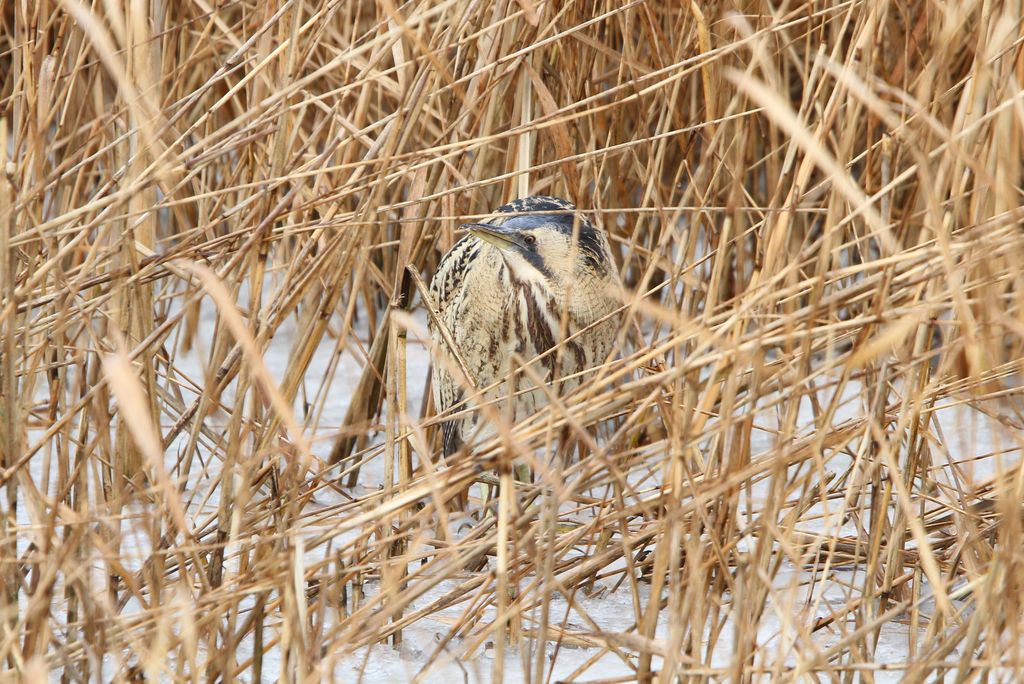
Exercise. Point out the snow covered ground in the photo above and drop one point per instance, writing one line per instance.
(981, 445)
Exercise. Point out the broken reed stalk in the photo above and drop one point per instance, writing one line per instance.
(10, 403)
(395, 475)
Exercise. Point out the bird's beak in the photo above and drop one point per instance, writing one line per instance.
(495, 235)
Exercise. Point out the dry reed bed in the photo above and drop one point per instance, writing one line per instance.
(816, 205)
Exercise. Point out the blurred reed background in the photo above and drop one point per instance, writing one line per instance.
(816, 208)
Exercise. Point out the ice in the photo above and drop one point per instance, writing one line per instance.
(976, 445)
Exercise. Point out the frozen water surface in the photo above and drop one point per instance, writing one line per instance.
(975, 444)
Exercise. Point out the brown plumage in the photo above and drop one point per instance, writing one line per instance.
(530, 278)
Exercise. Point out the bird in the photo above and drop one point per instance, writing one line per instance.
(536, 274)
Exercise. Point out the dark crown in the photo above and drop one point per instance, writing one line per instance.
(536, 203)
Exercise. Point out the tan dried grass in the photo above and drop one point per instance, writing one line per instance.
(815, 204)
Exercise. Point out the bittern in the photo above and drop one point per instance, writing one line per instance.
(528, 280)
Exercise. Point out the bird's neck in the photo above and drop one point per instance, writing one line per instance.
(526, 274)
(585, 298)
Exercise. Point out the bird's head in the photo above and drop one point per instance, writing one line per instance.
(545, 238)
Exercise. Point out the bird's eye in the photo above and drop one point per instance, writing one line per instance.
(529, 239)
